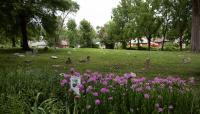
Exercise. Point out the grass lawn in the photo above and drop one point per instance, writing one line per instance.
(21, 82)
(117, 61)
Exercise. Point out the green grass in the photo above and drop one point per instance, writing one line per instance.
(118, 61)
(20, 82)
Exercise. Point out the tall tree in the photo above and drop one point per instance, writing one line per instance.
(121, 16)
(195, 26)
(87, 33)
(109, 34)
(63, 18)
(165, 11)
(72, 33)
(181, 18)
(148, 19)
(27, 10)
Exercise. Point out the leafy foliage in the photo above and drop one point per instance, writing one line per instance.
(72, 33)
(87, 33)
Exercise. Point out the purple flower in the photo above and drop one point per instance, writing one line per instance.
(146, 96)
(104, 90)
(77, 74)
(139, 89)
(191, 80)
(95, 94)
(81, 87)
(129, 75)
(92, 79)
(139, 80)
(110, 98)
(63, 82)
(89, 89)
(134, 86)
(105, 83)
(148, 88)
(97, 102)
(66, 76)
(120, 80)
(160, 109)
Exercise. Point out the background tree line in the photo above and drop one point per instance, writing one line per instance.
(167, 19)
(23, 20)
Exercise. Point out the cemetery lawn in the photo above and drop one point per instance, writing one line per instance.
(117, 61)
(31, 82)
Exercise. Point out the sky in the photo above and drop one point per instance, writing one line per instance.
(97, 12)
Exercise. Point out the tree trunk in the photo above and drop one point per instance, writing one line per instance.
(13, 42)
(181, 42)
(55, 42)
(149, 42)
(110, 46)
(23, 25)
(124, 44)
(138, 43)
(130, 44)
(195, 40)
(163, 42)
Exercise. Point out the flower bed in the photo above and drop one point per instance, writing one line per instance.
(126, 94)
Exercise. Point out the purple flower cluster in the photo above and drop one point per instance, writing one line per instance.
(107, 86)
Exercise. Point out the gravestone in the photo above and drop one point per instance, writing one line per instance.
(35, 51)
(186, 60)
(16, 54)
(28, 52)
(28, 62)
(85, 60)
(74, 84)
(56, 66)
(54, 57)
(147, 64)
(68, 61)
(19, 55)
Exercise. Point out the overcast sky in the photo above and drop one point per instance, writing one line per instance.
(97, 12)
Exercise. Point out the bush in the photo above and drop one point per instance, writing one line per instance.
(143, 48)
(95, 46)
(171, 47)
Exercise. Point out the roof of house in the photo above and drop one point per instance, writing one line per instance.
(63, 42)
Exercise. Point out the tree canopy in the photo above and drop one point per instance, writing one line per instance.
(25, 12)
(87, 33)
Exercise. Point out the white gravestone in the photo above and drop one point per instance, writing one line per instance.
(74, 83)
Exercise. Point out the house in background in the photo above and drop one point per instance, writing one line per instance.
(156, 42)
(63, 44)
(143, 42)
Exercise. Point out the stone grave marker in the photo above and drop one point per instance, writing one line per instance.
(68, 61)
(54, 57)
(35, 51)
(147, 64)
(186, 60)
(74, 84)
